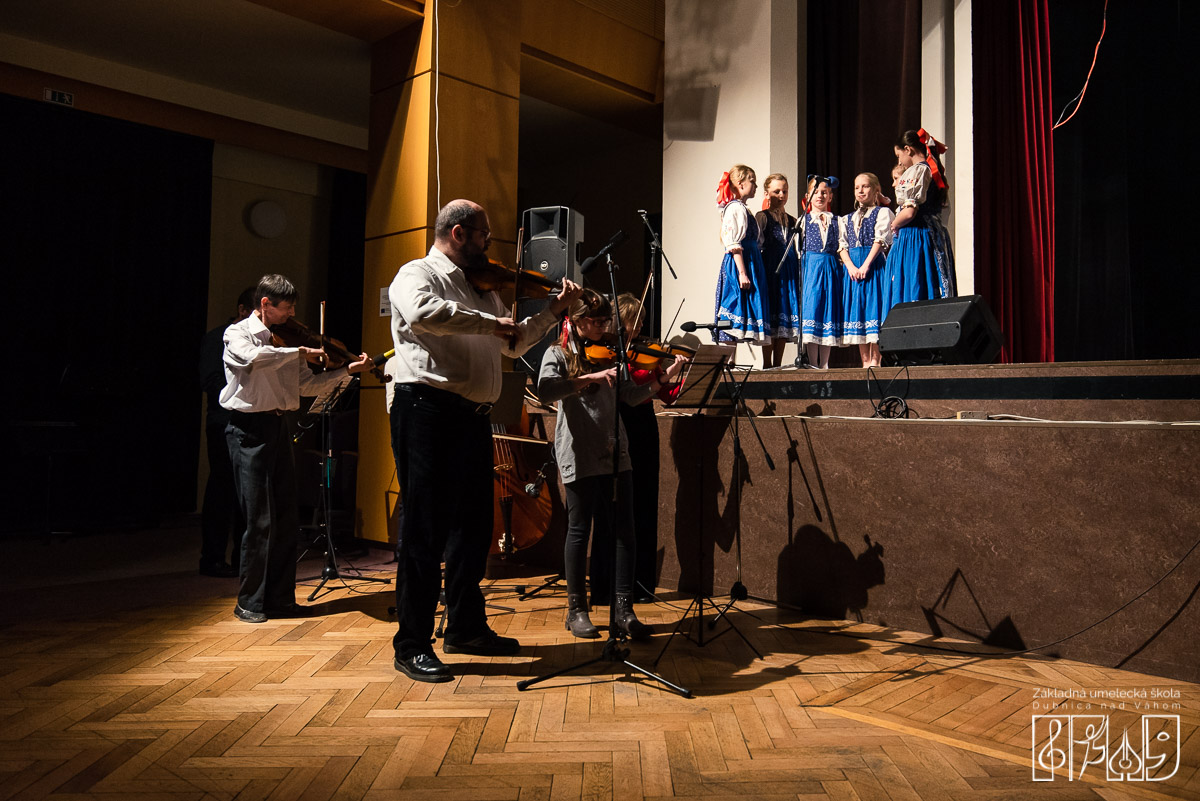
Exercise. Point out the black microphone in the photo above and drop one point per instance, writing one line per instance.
(832, 180)
(719, 325)
(618, 238)
(534, 488)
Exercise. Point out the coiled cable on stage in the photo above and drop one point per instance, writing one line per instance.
(889, 407)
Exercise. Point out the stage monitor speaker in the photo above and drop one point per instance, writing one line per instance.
(552, 238)
(944, 331)
(553, 235)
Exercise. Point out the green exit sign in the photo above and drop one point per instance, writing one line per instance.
(55, 96)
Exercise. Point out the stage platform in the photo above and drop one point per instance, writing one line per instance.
(1071, 498)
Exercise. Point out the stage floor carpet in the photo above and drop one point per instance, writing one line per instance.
(131, 679)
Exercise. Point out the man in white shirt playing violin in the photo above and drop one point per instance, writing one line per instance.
(449, 337)
(262, 382)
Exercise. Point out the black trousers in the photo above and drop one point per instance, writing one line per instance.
(220, 516)
(590, 510)
(260, 448)
(641, 426)
(443, 453)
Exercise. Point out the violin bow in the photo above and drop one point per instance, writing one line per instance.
(517, 280)
(517, 283)
(676, 317)
(637, 318)
(321, 332)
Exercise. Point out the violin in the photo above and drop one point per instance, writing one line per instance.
(603, 352)
(646, 353)
(295, 334)
(496, 277)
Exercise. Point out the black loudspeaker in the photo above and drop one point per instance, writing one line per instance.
(943, 331)
(553, 235)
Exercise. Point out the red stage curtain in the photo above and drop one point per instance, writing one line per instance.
(1014, 178)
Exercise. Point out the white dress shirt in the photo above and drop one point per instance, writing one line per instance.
(260, 377)
(442, 330)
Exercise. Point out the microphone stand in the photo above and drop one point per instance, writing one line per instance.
(533, 490)
(613, 651)
(658, 256)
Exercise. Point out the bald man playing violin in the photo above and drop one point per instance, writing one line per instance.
(449, 338)
(262, 381)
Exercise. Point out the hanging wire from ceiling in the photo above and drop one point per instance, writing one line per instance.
(1078, 99)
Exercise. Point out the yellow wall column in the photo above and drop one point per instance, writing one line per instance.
(444, 113)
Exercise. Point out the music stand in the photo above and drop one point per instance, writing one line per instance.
(323, 405)
(731, 399)
(701, 377)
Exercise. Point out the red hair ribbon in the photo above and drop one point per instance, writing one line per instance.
(936, 148)
(566, 333)
(725, 192)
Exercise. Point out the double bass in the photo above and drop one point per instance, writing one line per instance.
(526, 492)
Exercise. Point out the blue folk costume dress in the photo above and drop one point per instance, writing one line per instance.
(862, 307)
(781, 286)
(920, 264)
(748, 310)
(821, 276)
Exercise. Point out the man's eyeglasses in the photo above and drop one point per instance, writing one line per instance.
(485, 231)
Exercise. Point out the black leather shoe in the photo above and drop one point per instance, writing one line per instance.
(489, 644)
(291, 610)
(217, 569)
(423, 667)
(246, 616)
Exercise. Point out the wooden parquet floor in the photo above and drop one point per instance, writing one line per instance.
(150, 689)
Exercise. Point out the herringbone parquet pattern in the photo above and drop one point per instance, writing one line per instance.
(107, 691)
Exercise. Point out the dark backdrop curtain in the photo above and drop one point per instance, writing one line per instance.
(1125, 173)
(864, 89)
(104, 239)
(1014, 175)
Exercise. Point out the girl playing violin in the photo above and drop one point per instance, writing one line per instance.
(583, 446)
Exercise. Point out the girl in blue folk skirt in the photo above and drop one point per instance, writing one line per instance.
(866, 236)
(782, 268)
(742, 282)
(820, 276)
(921, 262)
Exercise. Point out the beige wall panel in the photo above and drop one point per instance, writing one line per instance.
(480, 44)
(376, 467)
(412, 172)
(478, 146)
(398, 178)
(400, 57)
(368, 20)
(576, 34)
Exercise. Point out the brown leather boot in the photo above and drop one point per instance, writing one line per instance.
(627, 621)
(578, 622)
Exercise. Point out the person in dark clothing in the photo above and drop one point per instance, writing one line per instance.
(220, 517)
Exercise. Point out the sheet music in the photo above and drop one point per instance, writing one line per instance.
(702, 376)
(329, 396)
